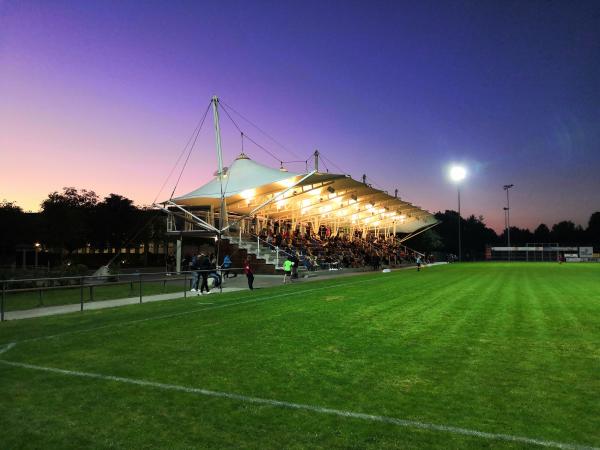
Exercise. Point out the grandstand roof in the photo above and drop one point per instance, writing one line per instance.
(252, 188)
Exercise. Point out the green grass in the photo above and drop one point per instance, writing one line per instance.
(499, 348)
(16, 301)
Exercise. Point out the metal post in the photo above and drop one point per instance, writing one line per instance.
(140, 276)
(257, 246)
(81, 294)
(506, 188)
(240, 241)
(276, 257)
(223, 213)
(178, 255)
(2, 302)
(459, 227)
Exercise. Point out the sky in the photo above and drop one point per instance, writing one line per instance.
(104, 96)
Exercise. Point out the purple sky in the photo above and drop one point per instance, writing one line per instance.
(104, 95)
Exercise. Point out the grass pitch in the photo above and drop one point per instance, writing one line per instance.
(460, 356)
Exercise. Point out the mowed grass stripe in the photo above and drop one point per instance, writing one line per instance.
(465, 345)
(223, 304)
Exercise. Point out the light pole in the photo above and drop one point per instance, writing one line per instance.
(507, 209)
(36, 249)
(457, 174)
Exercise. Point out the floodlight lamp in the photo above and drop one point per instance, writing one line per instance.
(457, 173)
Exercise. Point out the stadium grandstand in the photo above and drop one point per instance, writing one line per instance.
(269, 214)
(316, 215)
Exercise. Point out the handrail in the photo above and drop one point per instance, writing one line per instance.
(134, 274)
(137, 279)
(178, 276)
(273, 246)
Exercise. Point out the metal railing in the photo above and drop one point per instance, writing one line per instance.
(263, 246)
(89, 285)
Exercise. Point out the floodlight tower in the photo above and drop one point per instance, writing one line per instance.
(507, 209)
(457, 174)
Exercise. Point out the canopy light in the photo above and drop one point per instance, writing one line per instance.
(248, 194)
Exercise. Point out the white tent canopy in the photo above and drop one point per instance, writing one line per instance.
(334, 200)
(244, 174)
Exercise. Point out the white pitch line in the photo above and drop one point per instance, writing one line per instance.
(313, 408)
(193, 311)
(7, 347)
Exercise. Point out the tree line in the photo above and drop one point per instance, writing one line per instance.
(74, 219)
(476, 235)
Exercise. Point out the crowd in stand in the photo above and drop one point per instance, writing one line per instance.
(324, 250)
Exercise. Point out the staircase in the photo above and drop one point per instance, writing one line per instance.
(262, 259)
(263, 251)
(265, 258)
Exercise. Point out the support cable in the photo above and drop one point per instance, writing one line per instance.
(260, 129)
(275, 157)
(190, 151)
(199, 125)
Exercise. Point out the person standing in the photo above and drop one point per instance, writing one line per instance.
(227, 266)
(194, 266)
(295, 262)
(204, 269)
(249, 274)
(287, 270)
(418, 263)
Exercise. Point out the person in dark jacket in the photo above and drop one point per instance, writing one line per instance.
(295, 261)
(205, 267)
(249, 274)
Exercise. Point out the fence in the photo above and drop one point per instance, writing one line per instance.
(21, 294)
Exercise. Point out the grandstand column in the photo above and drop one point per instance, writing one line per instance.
(178, 255)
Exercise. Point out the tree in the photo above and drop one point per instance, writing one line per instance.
(475, 235)
(541, 235)
(518, 236)
(67, 218)
(11, 226)
(114, 221)
(593, 230)
(565, 232)
(428, 241)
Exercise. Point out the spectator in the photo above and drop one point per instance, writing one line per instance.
(194, 266)
(287, 270)
(227, 266)
(205, 267)
(249, 274)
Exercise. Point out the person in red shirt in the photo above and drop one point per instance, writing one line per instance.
(249, 274)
